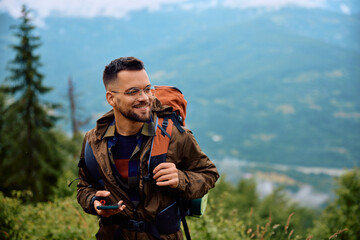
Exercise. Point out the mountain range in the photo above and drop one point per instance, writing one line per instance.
(277, 87)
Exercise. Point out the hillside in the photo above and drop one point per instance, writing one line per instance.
(259, 92)
(277, 87)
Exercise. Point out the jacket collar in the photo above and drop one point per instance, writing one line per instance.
(105, 126)
(148, 129)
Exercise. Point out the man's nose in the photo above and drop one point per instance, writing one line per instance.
(142, 95)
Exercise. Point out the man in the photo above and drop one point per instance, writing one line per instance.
(120, 142)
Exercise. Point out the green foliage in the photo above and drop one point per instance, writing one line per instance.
(32, 153)
(237, 212)
(344, 212)
(59, 219)
(218, 224)
(9, 210)
(72, 148)
(274, 217)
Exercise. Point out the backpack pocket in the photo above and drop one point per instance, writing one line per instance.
(169, 219)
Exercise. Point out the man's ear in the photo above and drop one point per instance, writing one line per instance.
(110, 98)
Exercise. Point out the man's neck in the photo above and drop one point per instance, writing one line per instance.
(125, 126)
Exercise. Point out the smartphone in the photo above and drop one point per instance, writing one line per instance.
(107, 207)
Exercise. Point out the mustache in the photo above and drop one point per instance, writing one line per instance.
(142, 104)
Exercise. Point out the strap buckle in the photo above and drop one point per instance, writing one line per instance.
(136, 226)
(165, 123)
(148, 177)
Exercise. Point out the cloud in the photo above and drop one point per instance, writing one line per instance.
(345, 9)
(263, 137)
(285, 109)
(306, 196)
(217, 138)
(162, 75)
(273, 4)
(83, 8)
(199, 5)
(123, 8)
(265, 188)
(349, 115)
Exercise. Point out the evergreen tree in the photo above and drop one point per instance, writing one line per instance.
(31, 159)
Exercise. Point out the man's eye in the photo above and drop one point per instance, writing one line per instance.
(133, 92)
(147, 90)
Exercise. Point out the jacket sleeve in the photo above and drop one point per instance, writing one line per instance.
(85, 187)
(197, 173)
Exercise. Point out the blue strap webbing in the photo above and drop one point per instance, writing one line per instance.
(92, 165)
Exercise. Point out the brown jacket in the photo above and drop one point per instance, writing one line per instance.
(197, 174)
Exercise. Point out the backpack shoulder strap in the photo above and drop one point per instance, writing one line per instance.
(92, 165)
(159, 144)
(159, 148)
(162, 136)
(177, 120)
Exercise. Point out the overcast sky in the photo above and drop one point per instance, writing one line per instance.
(122, 8)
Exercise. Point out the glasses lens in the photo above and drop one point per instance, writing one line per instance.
(136, 91)
(133, 92)
(147, 90)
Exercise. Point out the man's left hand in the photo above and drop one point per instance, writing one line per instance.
(166, 174)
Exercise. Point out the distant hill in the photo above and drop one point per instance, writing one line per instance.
(263, 92)
(274, 87)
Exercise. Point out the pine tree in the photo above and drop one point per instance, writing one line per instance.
(32, 158)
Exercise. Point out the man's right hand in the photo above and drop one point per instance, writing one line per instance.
(110, 212)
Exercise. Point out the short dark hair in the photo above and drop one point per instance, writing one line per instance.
(119, 64)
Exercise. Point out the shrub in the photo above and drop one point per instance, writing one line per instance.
(9, 210)
(59, 219)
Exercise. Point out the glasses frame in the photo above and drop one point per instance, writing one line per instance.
(139, 90)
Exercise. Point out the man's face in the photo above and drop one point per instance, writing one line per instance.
(126, 98)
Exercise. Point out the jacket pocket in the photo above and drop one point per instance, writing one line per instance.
(169, 219)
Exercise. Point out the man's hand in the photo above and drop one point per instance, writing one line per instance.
(166, 174)
(110, 212)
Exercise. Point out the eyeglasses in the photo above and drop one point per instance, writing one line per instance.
(136, 91)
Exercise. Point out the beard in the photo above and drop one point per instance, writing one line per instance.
(131, 115)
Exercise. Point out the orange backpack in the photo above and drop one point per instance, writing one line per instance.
(173, 97)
